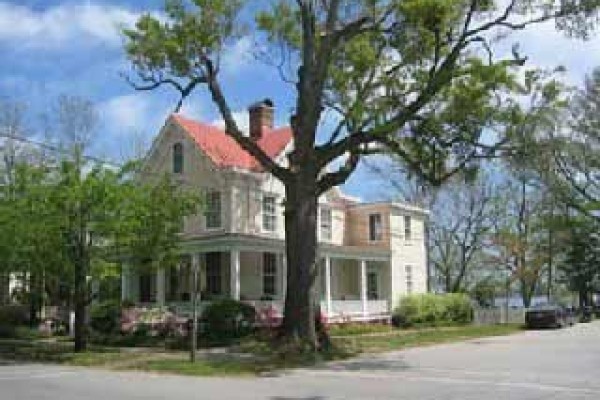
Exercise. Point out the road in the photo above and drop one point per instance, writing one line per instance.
(553, 364)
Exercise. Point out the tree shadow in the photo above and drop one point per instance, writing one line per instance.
(369, 364)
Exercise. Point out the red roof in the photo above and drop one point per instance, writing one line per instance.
(225, 152)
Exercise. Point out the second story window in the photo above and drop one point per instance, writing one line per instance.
(177, 158)
(409, 279)
(407, 227)
(326, 222)
(212, 209)
(269, 213)
(375, 227)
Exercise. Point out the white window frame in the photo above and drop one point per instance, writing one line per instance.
(326, 224)
(269, 215)
(375, 231)
(216, 213)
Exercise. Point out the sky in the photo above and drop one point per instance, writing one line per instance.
(73, 47)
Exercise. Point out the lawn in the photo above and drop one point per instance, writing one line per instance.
(401, 339)
(252, 357)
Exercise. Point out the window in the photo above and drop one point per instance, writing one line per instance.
(372, 285)
(177, 158)
(326, 223)
(213, 209)
(269, 274)
(147, 287)
(407, 227)
(213, 273)
(409, 281)
(375, 228)
(269, 211)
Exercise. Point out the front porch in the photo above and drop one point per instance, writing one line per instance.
(348, 288)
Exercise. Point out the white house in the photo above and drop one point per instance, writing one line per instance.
(371, 254)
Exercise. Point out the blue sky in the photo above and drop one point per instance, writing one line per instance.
(53, 47)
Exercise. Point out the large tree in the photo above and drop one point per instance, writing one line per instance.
(418, 78)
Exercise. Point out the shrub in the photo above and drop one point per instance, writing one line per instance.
(12, 317)
(105, 316)
(228, 319)
(433, 310)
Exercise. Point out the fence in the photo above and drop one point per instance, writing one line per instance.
(492, 316)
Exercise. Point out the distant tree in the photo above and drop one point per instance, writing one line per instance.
(581, 267)
(520, 235)
(576, 147)
(461, 223)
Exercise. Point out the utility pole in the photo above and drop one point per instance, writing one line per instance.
(194, 299)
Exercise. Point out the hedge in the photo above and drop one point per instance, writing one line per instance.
(433, 310)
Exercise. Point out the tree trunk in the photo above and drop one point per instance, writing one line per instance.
(526, 293)
(80, 303)
(301, 250)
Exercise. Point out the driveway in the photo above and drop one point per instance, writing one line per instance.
(562, 364)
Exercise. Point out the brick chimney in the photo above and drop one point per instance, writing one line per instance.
(261, 118)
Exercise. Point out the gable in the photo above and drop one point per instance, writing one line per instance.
(225, 152)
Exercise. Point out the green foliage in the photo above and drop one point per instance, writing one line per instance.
(228, 319)
(105, 317)
(581, 266)
(11, 318)
(484, 292)
(433, 310)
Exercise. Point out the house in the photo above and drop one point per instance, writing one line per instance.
(370, 254)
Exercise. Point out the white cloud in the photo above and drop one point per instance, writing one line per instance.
(545, 47)
(127, 112)
(63, 24)
(238, 56)
(241, 118)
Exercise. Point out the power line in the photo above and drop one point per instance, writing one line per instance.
(57, 149)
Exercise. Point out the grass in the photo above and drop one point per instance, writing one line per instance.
(352, 329)
(252, 357)
(401, 339)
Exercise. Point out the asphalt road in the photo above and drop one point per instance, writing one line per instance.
(553, 364)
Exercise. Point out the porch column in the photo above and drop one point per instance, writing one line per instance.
(363, 286)
(234, 274)
(125, 283)
(283, 276)
(160, 286)
(328, 303)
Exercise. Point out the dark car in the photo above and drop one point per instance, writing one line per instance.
(549, 316)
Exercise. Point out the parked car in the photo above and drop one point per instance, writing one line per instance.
(549, 316)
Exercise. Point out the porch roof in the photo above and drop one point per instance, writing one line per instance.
(225, 242)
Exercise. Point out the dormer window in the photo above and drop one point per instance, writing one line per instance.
(177, 158)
